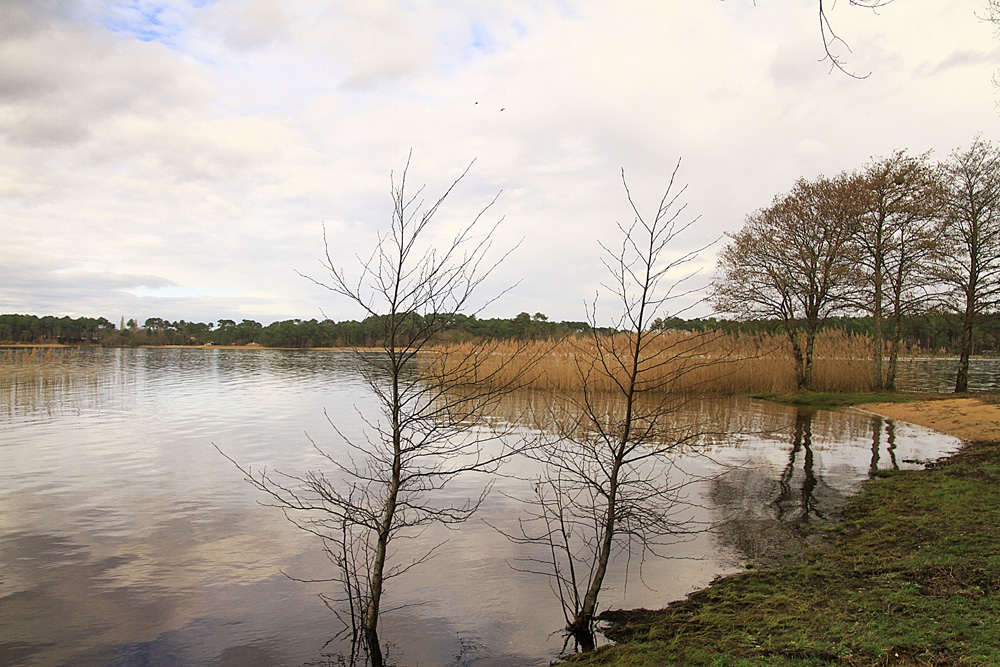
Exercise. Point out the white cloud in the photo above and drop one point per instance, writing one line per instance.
(206, 143)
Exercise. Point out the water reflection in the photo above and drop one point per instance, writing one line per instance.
(796, 502)
(763, 506)
(125, 539)
(888, 427)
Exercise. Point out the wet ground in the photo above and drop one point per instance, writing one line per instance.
(969, 418)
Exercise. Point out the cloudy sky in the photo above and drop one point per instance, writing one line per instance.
(180, 158)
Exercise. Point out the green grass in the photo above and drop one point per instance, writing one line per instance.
(909, 576)
(833, 400)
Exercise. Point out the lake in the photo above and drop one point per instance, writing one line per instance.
(126, 538)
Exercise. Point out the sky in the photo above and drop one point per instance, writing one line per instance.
(181, 159)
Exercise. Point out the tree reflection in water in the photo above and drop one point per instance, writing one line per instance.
(796, 501)
(878, 423)
(764, 517)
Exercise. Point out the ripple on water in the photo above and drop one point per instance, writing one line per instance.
(127, 539)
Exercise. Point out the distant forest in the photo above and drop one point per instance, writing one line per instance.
(928, 333)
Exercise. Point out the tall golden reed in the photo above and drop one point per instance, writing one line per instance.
(712, 362)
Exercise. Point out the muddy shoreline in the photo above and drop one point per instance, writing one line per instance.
(975, 418)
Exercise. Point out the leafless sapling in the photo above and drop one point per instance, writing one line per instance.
(606, 487)
(431, 426)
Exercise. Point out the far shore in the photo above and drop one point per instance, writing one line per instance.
(178, 347)
(254, 346)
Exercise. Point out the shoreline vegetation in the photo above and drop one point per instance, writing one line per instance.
(708, 362)
(909, 574)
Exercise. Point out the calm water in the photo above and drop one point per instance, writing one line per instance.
(938, 375)
(127, 539)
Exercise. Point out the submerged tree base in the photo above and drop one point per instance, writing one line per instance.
(910, 576)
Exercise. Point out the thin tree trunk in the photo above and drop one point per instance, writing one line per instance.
(894, 344)
(878, 352)
(800, 365)
(581, 626)
(377, 575)
(586, 615)
(878, 336)
(962, 379)
(890, 371)
(810, 351)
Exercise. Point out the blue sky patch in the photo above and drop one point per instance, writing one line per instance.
(149, 20)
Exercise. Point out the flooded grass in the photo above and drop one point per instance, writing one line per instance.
(826, 400)
(35, 376)
(910, 575)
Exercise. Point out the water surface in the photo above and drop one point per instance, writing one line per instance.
(126, 538)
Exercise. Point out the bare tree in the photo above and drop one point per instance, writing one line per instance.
(899, 198)
(969, 261)
(431, 426)
(794, 262)
(606, 488)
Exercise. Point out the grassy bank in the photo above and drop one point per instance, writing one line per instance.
(826, 400)
(909, 576)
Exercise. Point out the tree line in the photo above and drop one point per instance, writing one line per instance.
(294, 333)
(934, 332)
(51, 329)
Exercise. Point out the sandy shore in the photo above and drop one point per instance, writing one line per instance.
(968, 418)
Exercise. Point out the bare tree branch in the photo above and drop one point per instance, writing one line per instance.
(831, 40)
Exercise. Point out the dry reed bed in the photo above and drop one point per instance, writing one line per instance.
(710, 362)
(32, 377)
